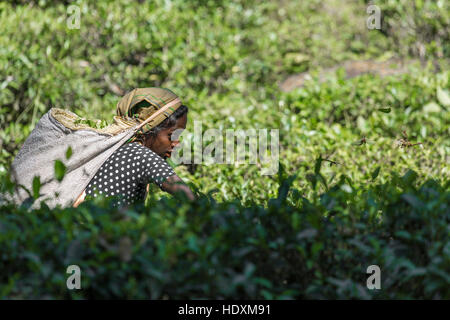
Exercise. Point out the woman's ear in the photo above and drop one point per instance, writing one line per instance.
(148, 141)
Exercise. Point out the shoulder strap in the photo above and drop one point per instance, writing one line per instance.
(157, 113)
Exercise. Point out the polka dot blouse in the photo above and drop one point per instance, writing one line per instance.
(127, 172)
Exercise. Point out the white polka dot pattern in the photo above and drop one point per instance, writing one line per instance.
(127, 172)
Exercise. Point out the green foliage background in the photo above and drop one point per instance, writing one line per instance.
(309, 231)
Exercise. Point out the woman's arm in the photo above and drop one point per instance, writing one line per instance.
(80, 199)
(174, 184)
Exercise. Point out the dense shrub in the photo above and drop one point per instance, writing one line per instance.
(255, 237)
(294, 248)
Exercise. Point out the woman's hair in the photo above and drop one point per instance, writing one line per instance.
(167, 123)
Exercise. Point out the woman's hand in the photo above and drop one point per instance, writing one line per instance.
(80, 199)
(174, 184)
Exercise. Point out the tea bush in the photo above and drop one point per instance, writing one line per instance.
(337, 204)
(294, 248)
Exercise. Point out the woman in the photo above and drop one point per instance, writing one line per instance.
(127, 173)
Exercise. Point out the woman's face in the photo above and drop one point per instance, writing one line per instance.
(162, 144)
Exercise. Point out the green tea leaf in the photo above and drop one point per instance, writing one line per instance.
(409, 177)
(312, 178)
(281, 173)
(264, 282)
(375, 173)
(412, 200)
(431, 107)
(69, 152)
(385, 110)
(322, 179)
(443, 97)
(316, 248)
(36, 186)
(318, 165)
(60, 170)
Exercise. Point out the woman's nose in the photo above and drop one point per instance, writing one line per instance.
(175, 143)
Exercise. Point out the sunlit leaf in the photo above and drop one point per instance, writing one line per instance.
(69, 152)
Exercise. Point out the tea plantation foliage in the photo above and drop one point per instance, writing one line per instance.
(336, 206)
